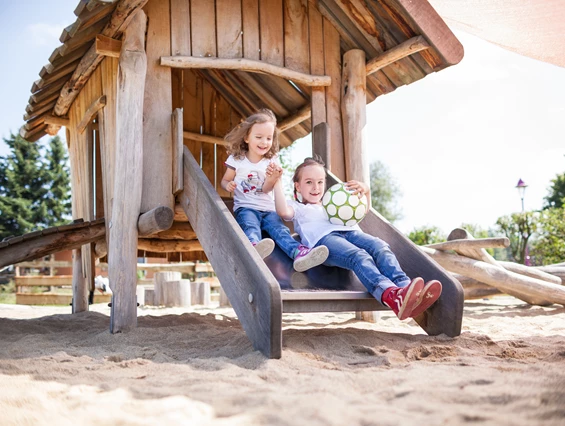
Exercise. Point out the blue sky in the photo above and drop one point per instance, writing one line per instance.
(456, 142)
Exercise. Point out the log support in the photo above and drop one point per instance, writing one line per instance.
(122, 262)
(80, 294)
(155, 220)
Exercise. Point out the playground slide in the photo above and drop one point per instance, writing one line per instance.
(261, 291)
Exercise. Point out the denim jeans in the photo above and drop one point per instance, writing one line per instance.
(369, 257)
(254, 221)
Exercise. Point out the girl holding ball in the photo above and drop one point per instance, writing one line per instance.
(349, 247)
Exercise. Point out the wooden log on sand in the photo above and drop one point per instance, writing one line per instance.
(475, 289)
(530, 290)
(555, 270)
(464, 244)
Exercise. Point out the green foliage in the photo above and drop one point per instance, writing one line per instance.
(34, 187)
(285, 158)
(426, 235)
(384, 192)
(556, 196)
(549, 247)
(518, 228)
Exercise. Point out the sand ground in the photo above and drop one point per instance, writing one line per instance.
(196, 367)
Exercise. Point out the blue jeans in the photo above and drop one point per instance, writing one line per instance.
(254, 221)
(369, 257)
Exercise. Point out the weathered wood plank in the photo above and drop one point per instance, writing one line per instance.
(272, 32)
(250, 18)
(251, 288)
(208, 151)
(180, 27)
(192, 108)
(203, 24)
(229, 23)
(92, 110)
(168, 246)
(296, 39)
(178, 144)
(318, 95)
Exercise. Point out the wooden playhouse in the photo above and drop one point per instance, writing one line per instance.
(146, 91)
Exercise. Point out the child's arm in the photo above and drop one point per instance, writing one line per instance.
(283, 209)
(272, 174)
(228, 182)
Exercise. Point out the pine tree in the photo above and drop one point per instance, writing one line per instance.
(33, 190)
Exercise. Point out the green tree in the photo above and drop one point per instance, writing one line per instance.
(426, 235)
(518, 228)
(27, 191)
(556, 196)
(549, 247)
(57, 203)
(384, 192)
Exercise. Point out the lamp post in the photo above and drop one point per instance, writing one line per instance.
(521, 187)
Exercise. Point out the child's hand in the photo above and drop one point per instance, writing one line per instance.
(274, 171)
(358, 188)
(230, 187)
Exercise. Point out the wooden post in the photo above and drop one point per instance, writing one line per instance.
(80, 295)
(161, 281)
(353, 116)
(122, 262)
(177, 293)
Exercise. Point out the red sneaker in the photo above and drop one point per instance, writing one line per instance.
(428, 296)
(403, 300)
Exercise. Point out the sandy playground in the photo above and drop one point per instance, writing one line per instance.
(197, 367)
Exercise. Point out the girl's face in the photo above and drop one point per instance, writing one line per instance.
(311, 184)
(259, 140)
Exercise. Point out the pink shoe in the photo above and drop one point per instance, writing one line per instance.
(402, 300)
(430, 293)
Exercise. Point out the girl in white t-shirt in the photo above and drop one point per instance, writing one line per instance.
(253, 145)
(349, 247)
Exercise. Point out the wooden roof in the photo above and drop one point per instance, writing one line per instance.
(381, 28)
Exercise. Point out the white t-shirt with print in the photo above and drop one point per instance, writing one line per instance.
(311, 223)
(250, 178)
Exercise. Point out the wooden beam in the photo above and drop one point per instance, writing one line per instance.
(58, 121)
(495, 242)
(245, 65)
(92, 110)
(122, 247)
(155, 220)
(118, 22)
(107, 46)
(321, 142)
(407, 48)
(178, 144)
(167, 246)
(80, 293)
(204, 138)
(302, 115)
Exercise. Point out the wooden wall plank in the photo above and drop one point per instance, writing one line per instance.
(157, 137)
(107, 126)
(192, 104)
(180, 27)
(332, 61)
(223, 126)
(203, 28)
(271, 36)
(229, 23)
(250, 18)
(316, 31)
(296, 38)
(208, 120)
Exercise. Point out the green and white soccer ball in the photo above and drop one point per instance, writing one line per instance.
(342, 207)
